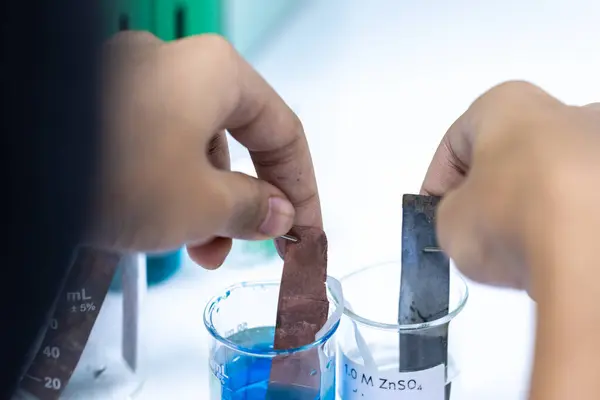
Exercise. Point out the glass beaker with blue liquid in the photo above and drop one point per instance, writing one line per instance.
(241, 322)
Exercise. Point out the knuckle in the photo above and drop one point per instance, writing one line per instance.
(207, 50)
(515, 88)
(506, 93)
(128, 38)
(216, 57)
(309, 199)
(593, 110)
(510, 106)
(288, 152)
(513, 95)
(280, 156)
(220, 49)
(296, 126)
(594, 106)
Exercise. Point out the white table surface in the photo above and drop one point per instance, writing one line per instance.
(376, 84)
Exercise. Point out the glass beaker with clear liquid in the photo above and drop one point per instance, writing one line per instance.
(241, 322)
(369, 339)
(82, 354)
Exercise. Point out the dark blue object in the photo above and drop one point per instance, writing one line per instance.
(161, 267)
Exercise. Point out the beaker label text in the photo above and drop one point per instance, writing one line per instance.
(360, 382)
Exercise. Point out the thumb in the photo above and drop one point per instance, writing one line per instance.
(456, 231)
(253, 209)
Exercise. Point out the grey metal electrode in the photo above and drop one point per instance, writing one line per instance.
(424, 287)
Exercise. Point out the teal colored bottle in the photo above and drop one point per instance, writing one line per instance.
(159, 268)
(162, 267)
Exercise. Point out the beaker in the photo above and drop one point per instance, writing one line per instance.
(370, 340)
(86, 353)
(241, 322)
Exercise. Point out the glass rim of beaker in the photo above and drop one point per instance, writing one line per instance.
(405, 327)
(271, 353)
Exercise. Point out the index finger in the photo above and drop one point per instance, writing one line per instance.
(495, 110)
(451, 161)
(257, 117)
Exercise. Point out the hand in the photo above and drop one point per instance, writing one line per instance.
(164, 177)
(518, 172)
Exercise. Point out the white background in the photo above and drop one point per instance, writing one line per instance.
(376, 84)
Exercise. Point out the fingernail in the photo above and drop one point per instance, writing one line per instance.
(279, 218)
(280, 247)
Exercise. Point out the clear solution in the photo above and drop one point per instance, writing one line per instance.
(237, 376)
